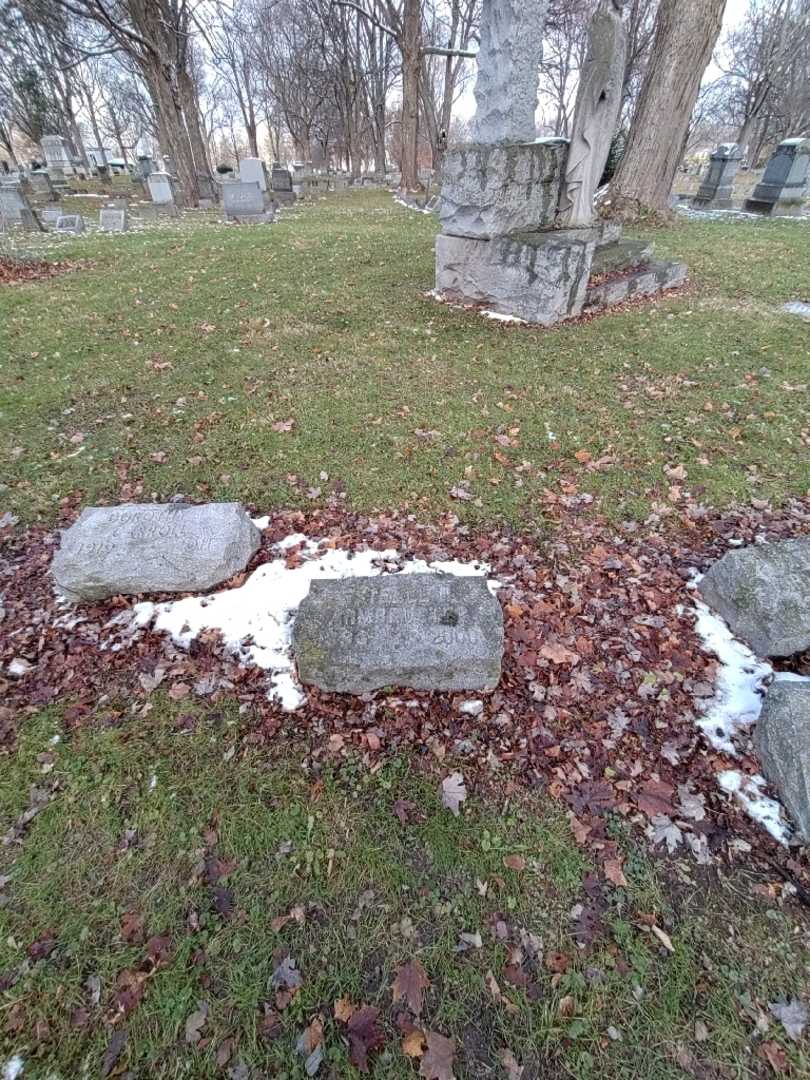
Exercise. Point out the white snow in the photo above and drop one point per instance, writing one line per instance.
(256, 619)
(741, 682)
(497, 316)
(749, 792)
(13, 1068)
(410, 206)
(261, 523)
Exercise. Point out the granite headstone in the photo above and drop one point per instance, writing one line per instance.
(151, 547)
(423, 631)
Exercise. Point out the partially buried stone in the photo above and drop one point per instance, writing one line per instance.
(763, 593)
(422, 631)
(782, 739)
(150, 547)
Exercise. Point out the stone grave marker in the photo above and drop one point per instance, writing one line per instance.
(244, 202)
(152, 547)
(763, 593)
(113, 219)
(422, 631)
(12, 203)
(41, 184)
(783, 190)
(281, 182)
(70, 223)
(161, 188)
(50, 214)
(253, 171)
(717, 186)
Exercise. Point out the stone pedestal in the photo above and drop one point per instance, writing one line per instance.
(537, 276)
(493, 190)
(783, 190)
(717, 186)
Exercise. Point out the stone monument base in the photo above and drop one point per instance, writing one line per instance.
(546, 277)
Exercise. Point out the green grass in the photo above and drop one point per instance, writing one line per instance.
(376, 895)
(189, 341)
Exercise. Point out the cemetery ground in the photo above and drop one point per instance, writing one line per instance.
(196, 884)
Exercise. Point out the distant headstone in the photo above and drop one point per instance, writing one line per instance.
(783, 190)
(70, 223)
(153, 547)
(161, 188)
(717, 186)
(113, 219)
(144, 167)
(281, 179)
(29, 221)
(423, 631)
(41, 184)
(50, 215)
(253, 171)
(763, 593)
(12, 202)
(782, 739)
(56, 150)
(244, 202)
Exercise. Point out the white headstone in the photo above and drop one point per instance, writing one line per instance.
(252, 171)
(113, 219)
(161, 188)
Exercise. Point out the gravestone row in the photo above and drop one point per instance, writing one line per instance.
(423, 631)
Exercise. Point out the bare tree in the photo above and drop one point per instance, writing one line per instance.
(686, 32)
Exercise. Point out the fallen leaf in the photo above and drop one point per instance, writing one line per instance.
(558, 654)
(792, 1015)
(514, 862)
(343, 1009)
(614, 873)
(437, 1064)
(196, 1022)
(413, 1045)
(365, 1035)
(113, 1051)
(663, 937)
(410, 985)
(454, 792)
(775, 1056)
(513, 1070)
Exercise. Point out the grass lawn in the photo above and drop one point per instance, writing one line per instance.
(171, 825)
(180, 899)
(171, 364)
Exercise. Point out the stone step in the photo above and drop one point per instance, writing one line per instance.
(623, 255)
(653, 278)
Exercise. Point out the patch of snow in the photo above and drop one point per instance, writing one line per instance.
(261, 523)
(472, 708)
(410, 206)
(256, 619)
(741, 682)
(749, 792)
(13, 1068)
(497, 316)
(796, 307)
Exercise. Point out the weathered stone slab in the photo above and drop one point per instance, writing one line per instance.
(70, 223)
(539, 277)
(783, 189)
(509, 57)
(113, 219)
(782, 739)
(493, 190)
(622, 255)
(151, 547)
(422, 631)
(12, 202)
(253, 171)
(647, 280)
(244, 202)
(161, 188)
(763, 593)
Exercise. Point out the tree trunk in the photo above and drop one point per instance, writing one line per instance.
(88, 97)
(191, 114)
(173, 130)
(411, 64)
(686, 32)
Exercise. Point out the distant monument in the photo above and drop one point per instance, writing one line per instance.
(518, 232)
(783, 190)
(717, 186)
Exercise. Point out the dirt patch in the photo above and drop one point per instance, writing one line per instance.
(23, 271)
